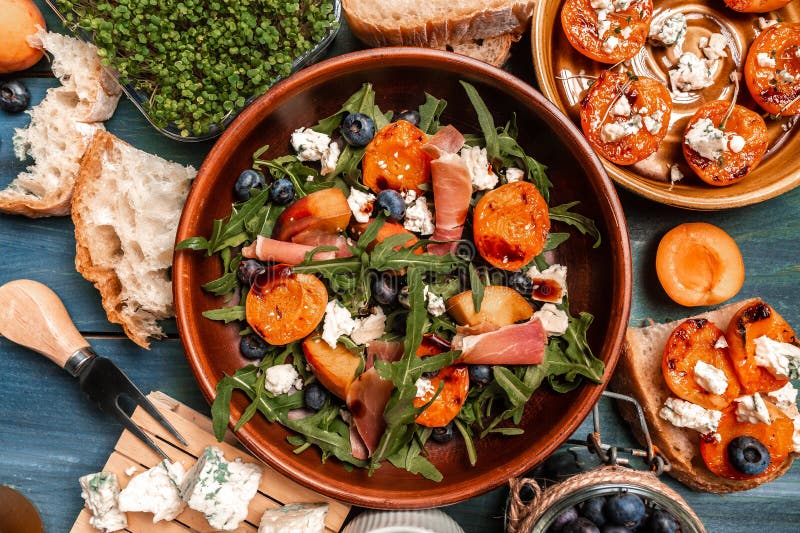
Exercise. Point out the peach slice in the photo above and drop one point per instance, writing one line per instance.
(326, 211)
(501, 306)
(19, 20)
(335, 368)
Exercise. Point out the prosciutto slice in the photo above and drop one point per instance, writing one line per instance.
(266, 249)
(383, 351)
(452, 188)
(517, 344)
(316, 238)
(367, 397)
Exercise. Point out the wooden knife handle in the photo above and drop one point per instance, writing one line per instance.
(32, 315)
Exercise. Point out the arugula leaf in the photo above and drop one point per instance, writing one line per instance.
(429, 114)
(570, 356)
(193, 243)
(584, 224)
(221, 408)
(222, 285)
(364, 98)
(466, 434)
(321, 430)
(485, 120)
(554, 240)
(511, 150)
(231, 231)
(228, 314)
(477, 288)
(409, 457)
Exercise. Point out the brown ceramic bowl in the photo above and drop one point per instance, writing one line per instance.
(599, 280)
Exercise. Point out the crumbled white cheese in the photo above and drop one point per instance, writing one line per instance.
(436, 305)
(780, 358)
(654, 122)
(622, 5)
(765, 60)
(707, 140)
(360, 204)
(622, 107)
(280, 379)
(600, 4)
(603, 25)
(722, 342)
(480, 171)
(669, 31)
(312, 145)
(785, 398)
(764, 23)
(369, 328)
(614, 131)
(337, 322)
(156, 491)
(675, 174)
(683, 414)
(784, 76)
(555, 272)
(610, 44)
(752, 409)
(715, 48)
(221, 490)
(736, 144)
(419, 218)
(626, 32)
(710, 377)
(101, 492)
(514, 174)
(424, 387)
(691, 73)
(409, 197)
(554, 320)
(294, 518)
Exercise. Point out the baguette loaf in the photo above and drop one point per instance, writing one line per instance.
(638, 374)
(492, 50)
(126, 209)
(435, 23)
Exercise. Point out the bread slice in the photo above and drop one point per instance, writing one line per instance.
(126, 208)
(77, 65)
(638, 374)
(56, 140)
(435, 23)
(492, 50)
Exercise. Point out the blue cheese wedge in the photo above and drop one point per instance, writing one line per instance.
(155, 491)
(295, 518)
(683, 414)
(752, 409)
(219, 489)
(101, 493)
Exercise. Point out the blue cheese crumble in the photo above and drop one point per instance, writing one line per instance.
(752, 409)
(711, 142)
(683, 414)
(156, 491)
(480, 171)
(710, 378)
(669, 31)
(295, 518)
(691, 73)
(781, 359)
(419, 218)
(221, 490)
(101, 493)
(337, 322)
(280, 379)
(312, 145)
(554, 320)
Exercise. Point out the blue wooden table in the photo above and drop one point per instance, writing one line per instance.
(50, 435)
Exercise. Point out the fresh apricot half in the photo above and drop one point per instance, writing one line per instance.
(699, 264)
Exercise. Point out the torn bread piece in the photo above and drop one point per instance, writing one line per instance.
(493, 50)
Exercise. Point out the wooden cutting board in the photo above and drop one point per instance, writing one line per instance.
(274, 490)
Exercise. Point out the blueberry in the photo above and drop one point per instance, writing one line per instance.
(616, 529)
(625, 509)
(520, 283)
(442, 434)
(581, 525)
(480, 375)
(409, 115)
(248, 179)
(561, 465)
(253, 347)
(315, 396)
(358, 129)
(248, 269)
(431, 374)
(748, 455)
(384, 289)
(662, 522)
(593, 510)
(399, 323)
(14, 96)
(391, 201)
(563, 519)
(281, 191)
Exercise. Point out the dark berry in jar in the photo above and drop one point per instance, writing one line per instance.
(358, 129)
(384, 289)
(520, 283)
(561, 465)
(442, 434)
(281, 191)
(748, 455)
(610, 528)
(409, 115)
(314, 396)
(581, 525)
(247, 180)
(625, 509)
(593, 510)
(564, 518)
(253, 347)
(391, 202)
(14, 96)
(480, 375)
(662, 522)
(248, 269)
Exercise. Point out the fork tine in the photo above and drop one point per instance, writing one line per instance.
(148, 406)
(131, 426)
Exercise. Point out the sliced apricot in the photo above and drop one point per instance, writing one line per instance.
(645, 117)
(394, 159)
(749, 323)
(727, 166)
(500, 306)
(776, 436)
(326, 211)
(755, 6)
(699, 264)
(621, 36)
(335, 368)
(445, 407)
(692, 341)
(283, 307)
(772, 69)
(510, 225)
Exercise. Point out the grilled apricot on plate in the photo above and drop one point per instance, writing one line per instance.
(772, 69)
(608, 34)
(755, 6)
